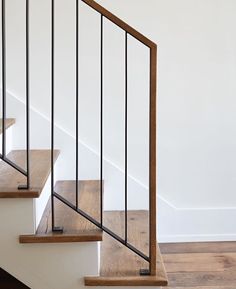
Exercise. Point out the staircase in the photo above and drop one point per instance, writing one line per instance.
(57, 233)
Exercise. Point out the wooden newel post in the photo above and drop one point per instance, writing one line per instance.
(152, 163)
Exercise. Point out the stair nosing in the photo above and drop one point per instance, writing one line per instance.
(69, 238)
(33, 192)
(9, 122)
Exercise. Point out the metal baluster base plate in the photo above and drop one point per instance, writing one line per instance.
(144, 272)
(58, 230)
(23, 187)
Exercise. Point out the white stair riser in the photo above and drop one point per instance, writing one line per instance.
(41, 202)
(8, 140)
(47, 266)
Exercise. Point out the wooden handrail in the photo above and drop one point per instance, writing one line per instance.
(123, 25)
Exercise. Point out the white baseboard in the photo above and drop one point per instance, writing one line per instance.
(195, 224)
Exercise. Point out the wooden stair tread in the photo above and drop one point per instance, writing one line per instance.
(9, 122)
(119, 265)
(76, 227)
(40, 167)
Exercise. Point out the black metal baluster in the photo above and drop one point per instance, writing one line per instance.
(126, 137)
(54, 228)
(77, 101)
(3, 154)
(52, 119)
(27, 186)
(101, 124)
(3, 79)
(27, 98)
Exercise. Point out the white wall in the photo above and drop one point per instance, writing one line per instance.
(197, 58)
(89, 86)
(196, 119)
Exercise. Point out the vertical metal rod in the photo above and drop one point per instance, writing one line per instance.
(27, 98)
(126, 137)
(54, 228)
(77, 101)
(101, 123)
(52, 116)
(3, 79)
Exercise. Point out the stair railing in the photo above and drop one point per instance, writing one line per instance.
(25, 171)
(128, 30)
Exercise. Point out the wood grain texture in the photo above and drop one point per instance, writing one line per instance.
(138, 225)
(40, 168)
(9, 122)
(152, 160)
(203, 287)
(93, 4)
(200, 265)
(119, 265)
(76, 227)
(204, 247)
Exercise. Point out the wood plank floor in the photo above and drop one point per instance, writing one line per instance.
(200, 265)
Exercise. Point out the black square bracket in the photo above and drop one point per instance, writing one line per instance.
(23, 187)
(58, 230)
(144, 272)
